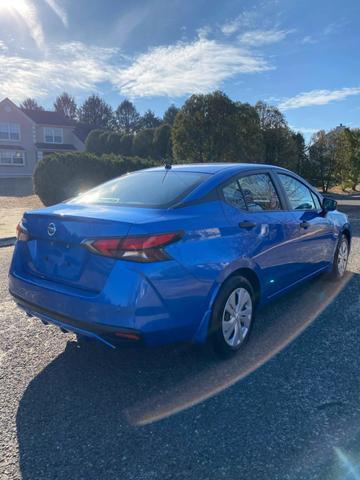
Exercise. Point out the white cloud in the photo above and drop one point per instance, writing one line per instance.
(183, 68)
(245, 19)
(308, 39)
(59, 11)
(204, 32)
(230, 28)
(3, 47)
(74, 66)
(262, 37)
(317, 97)
(196, 67)
(336, 27)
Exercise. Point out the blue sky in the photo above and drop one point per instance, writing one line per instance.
(302, 56)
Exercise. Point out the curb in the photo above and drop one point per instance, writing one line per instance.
(7, 242)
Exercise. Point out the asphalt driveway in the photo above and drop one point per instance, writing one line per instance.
(287, 407)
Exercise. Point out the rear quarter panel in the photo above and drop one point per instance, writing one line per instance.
(207, 251)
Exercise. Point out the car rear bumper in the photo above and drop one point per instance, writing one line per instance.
(129, 303)
(109, 335)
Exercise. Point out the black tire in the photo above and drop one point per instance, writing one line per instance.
(216, 335)
(338, 271)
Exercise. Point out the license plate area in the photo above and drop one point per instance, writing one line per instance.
(58, 259)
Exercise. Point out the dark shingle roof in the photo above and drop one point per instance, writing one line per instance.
(44, 117)
(82, 131)
(55, 146)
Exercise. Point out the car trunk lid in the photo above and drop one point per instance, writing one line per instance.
(55, 252)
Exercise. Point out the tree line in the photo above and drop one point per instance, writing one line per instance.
(334, 158)
(214, 128)
(98, 114)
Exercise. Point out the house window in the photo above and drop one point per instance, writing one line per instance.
(53, 135)
(11, 157)
(40, 155)
(10, 131)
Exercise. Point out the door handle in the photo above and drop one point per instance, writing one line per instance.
(247, 224)
(304, 224)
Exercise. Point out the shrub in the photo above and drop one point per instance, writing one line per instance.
(94, 142)
(143, 143)
(104, 145)
(113, 144)
(105, 141)
(126, 144)
(64, 175)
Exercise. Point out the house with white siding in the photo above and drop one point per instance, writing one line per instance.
(25, 137)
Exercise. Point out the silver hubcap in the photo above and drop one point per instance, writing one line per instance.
(236, 317)
(342, 257)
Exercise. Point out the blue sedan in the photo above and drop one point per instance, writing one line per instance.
(176, 254)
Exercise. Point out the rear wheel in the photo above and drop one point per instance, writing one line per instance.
(341, 258)
(232, 316)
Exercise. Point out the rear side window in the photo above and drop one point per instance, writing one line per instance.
(233, 195)
(259, 193)
(154, 189)
(300, 197)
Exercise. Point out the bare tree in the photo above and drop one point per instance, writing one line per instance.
(66, 105)
(30, 104)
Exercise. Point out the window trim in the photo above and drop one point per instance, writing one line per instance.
(12, 153)
(318, 199)
(53, 135)
(300, 180)
(249, 173)
(11, 139)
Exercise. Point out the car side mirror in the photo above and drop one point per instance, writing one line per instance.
(329, 205)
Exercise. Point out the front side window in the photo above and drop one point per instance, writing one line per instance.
(259, 193)
(153, 189)
(12, 158)
(299, 195)
(53, 135)
(10, 131)
(233, 195)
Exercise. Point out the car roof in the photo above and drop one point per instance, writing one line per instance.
(212, 168)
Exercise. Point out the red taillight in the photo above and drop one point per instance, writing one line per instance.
(144, 248)
(128, 335)
(21, 232)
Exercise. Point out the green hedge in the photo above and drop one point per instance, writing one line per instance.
(60, 176)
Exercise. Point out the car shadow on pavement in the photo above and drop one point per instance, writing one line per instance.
(95, 413)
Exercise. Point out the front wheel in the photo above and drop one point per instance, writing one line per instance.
(232, 316)
(341, 258)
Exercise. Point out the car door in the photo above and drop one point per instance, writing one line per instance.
(263, 231)
(314, 241)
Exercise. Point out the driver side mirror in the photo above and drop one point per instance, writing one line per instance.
(329, 205)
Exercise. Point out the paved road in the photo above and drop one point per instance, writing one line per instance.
(287, 407)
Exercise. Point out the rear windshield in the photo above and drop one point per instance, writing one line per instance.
(154, 189)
